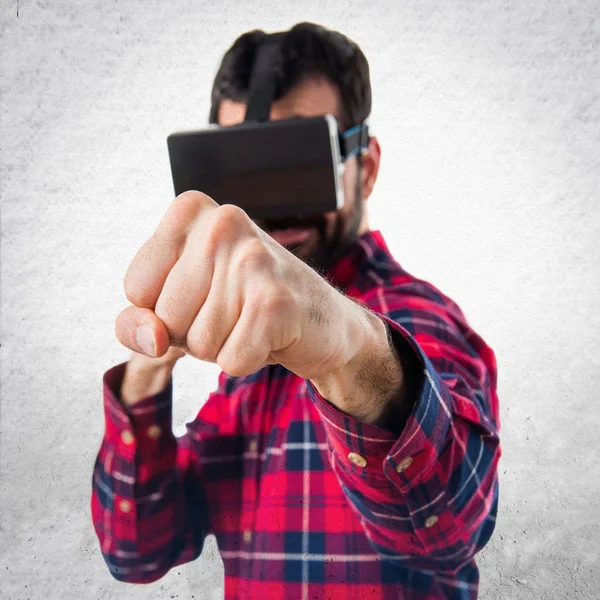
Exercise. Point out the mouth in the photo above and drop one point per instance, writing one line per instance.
(290, 237)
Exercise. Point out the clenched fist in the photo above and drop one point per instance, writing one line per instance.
(213, 284)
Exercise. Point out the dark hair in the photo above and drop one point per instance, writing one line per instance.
(307, 50)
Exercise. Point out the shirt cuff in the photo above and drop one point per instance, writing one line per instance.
(369, 451)
(142, 431)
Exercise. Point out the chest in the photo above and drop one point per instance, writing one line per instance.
(288, 453)
(289, 483)
(294, 523)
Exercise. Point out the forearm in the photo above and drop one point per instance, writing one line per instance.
(144, 377)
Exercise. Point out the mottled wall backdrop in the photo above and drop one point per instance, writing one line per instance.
(488, 114)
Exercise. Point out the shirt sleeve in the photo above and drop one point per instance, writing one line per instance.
(427, 498)
(150, 491)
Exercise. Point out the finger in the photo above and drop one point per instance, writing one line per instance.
(210, 248)
(248, 348)
(216, 319)
(154, 337)
(150, 267)
(184, 292)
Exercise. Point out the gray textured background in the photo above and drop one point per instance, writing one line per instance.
(488, 114)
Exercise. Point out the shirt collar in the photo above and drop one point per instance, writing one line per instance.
(368, 248)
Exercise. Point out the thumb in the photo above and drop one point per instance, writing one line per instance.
(140, 330)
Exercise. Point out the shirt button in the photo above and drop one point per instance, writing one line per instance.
(127, 437)
(404, 464)
(247, 536)
(154, 432)
(357, 459)
(431, 521)
(125, 506)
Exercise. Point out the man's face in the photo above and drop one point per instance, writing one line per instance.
(320, 240)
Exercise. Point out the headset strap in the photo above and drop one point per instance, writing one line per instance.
(261, 93)
(262, 79)
(354, 140)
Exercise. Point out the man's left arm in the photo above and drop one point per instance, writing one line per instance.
(412, 424)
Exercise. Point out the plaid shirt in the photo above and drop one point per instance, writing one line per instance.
(306, 502)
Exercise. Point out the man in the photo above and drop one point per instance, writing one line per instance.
(351, 448)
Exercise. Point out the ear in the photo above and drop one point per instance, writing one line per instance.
(371, 157)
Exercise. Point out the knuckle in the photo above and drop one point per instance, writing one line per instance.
(194, 198)
(231, 365)
(183, 210)
(253, 256)
(226, 222)
(203, 343)
(201, 348)
(276, 300)
(181, 217)
(232, 213)
(133, 293)
(218, 228)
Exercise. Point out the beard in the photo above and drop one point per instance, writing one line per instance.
(328, 239)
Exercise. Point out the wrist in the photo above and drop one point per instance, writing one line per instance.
(377, 373)
(140, 362)
(144, 378)
(361, 387)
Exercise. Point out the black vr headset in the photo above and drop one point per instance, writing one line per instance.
(270, 169)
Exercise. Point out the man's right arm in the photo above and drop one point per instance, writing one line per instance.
(150, 490)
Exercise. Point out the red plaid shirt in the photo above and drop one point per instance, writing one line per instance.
(306, 502)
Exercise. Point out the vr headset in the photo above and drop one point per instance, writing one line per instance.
(270, 169)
